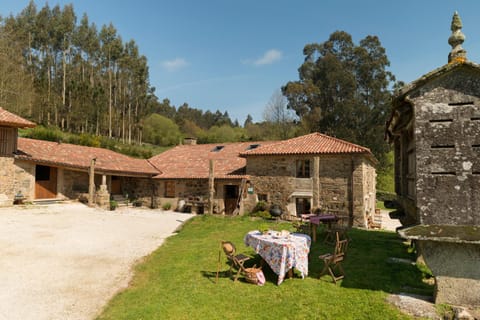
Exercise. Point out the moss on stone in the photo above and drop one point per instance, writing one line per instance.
(449, 233)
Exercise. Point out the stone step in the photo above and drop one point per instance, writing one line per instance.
(47, 201)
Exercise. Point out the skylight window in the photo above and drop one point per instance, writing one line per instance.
(253, 146)
(217, 148)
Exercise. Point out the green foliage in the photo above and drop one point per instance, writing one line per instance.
(113, 204)
(167, 206)
(161, 131)
(264, 214)
(260, 206)
(178, 280)
(343, 90)
(385, 196)
(54, 134)
(43, 133)
(385, 174)
(223, 133)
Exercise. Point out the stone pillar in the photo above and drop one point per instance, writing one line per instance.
(91, 183)
(60, 182)
(211, 186)
(316, 183)
(103, 196)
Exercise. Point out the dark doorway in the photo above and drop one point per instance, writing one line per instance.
(303, 206)
(230, 198)
(45, 182)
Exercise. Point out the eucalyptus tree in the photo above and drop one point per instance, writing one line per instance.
(16, 85)
(111, 49)
(343, 90)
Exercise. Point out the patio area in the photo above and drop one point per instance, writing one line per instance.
(66, 261)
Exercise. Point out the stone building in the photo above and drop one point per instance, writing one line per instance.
(435, 130)
(299, 175)
(315, 171)
(41, 170)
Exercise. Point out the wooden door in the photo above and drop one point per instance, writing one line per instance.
(116, 185)
(45, 182)
(231, 199)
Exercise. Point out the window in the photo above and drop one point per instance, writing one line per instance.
(303, 168)
(253, 146)
(42, 173)
(217, 148)
(262, 197)
(169, 189)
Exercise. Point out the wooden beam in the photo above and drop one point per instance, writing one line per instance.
(211, 185)
(91, 183)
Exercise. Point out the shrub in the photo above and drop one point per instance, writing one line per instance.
(167, 206)
(260, 206)
(386, 196)
(113, 204)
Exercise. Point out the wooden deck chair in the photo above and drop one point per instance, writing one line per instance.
(333, 261)
(235, 260)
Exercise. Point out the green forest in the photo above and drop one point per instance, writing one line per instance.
(70, 76)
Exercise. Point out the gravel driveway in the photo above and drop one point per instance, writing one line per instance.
(65, 261)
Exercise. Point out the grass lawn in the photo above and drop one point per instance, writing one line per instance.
(178, 280)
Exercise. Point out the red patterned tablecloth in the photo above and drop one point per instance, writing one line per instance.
(281, 253)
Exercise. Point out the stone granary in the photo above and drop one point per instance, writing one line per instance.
(435, 130)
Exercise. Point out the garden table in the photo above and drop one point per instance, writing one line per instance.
(327, 219)
(282, 253)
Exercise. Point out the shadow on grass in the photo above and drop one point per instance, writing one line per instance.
(224, 272)
(367, 264)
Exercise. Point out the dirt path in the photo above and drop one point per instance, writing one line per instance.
(66, 261)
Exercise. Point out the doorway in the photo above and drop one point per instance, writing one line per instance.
(116, 185)
(45, 182)
(230, 198)
(303, 206)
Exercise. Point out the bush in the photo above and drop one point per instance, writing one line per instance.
(167, 206)
(260, 206)
(113, 204)
(386, 196)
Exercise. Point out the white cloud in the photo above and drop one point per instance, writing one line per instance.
(269, 57)
(175, 64)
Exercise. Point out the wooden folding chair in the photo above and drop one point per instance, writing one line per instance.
(236, 260)
(333, 261)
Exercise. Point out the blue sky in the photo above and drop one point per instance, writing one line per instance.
(233, 55)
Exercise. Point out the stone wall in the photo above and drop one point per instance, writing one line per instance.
(447, 147)
(16, 176)
(344, 183)
(25, 179)
(194, 188)
(142, 189)
(274, 177)
(7, 181)
(75, 184)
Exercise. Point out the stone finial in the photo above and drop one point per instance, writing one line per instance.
(458, 54)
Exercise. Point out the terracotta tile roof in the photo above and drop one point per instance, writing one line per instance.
(314, 143)
(9, 119)
(192, 161)
(79, 157)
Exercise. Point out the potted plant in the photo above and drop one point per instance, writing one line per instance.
(113, 205)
